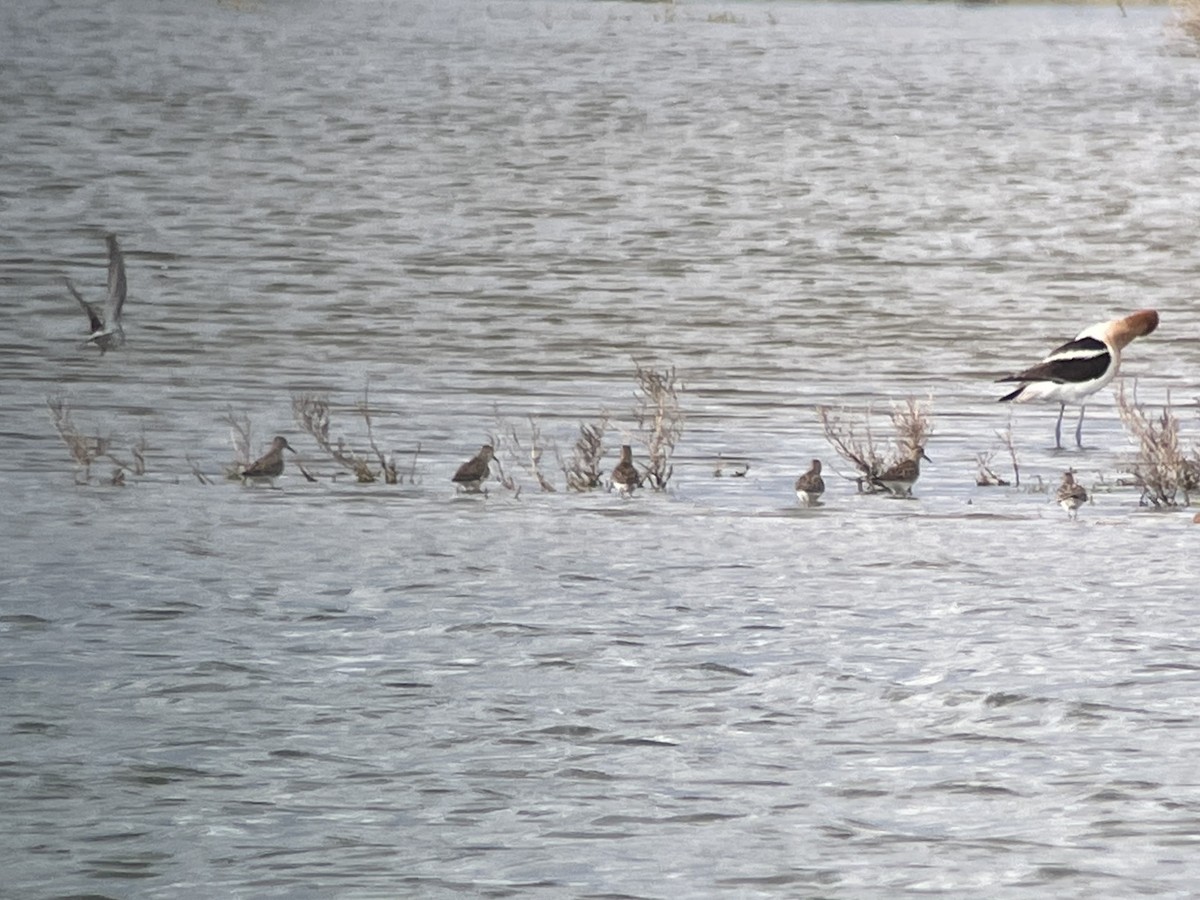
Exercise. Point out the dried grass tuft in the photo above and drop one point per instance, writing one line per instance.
(850, 434)
(1161, 468)
(582, 470)
(85, 450)
(659, 417)
(526, 452)
(312, 413)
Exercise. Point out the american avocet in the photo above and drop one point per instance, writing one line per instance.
(810, 486)
(270, 464)
(901, 477)
(475, 471)
(1070, 495)
(625, 476)
(1079, 368)
(107, 332)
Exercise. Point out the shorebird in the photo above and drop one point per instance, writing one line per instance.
(1080, 367)
(810, 486)
(625, 476)
(107, 332)
(474, 472)
(1070, 495)
(900, 478)
(270, 464)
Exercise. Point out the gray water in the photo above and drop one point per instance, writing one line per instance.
(482, 212)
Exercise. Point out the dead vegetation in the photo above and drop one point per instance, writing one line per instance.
(312, 414)
(87, 450)
(987, 476)
(851, 436)
(582, 470)
(506, 481)
(659, 420)
(239, 435)
(1186, 18)
(525, 451)
(1162, 468)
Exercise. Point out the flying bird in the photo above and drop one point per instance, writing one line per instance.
(625, 476)
(1070, 495)
(106, 331)
(810, 486)
(901, 477)
(1080, 367)
(475, 471)
(270, 464)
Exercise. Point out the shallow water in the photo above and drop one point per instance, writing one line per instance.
(484, 212)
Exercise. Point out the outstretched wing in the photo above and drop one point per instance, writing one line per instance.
(116, 280)
(89, 310)
(1075, 362)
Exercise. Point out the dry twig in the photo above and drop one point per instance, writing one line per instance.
(83, 450)
(239, 435)
(583, 471)
(311, 412)
(86, 450)
(660, 418)
(1161, 468)
(852, 439)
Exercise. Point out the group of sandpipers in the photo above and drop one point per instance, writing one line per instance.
(1070, 373)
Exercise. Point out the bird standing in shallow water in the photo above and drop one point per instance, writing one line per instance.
(625, 476)
(810, 486)
(1070, 495)
(474, 472)
(901, 477)
(270, 464)
(1079, 368)
(107, 332)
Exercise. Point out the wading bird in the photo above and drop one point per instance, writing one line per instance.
(475, 471)
(1070, 495)
(810, 486)
(270, 464)
(625, 476)
(1079, 368)
(901, 477)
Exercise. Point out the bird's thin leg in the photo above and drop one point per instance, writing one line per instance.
(1079, 428)
(1058, 427)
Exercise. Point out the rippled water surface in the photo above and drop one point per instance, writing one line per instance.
(483, 214)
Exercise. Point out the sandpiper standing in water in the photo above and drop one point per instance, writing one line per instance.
(625, 476)
(270, 464)
(475, 471)
(107, 332)
(810, 486)
(1070, 495)
(901, 477)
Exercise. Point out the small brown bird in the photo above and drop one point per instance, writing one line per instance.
(1070, 495)
(901, 477)
(106, 333)
(474, 472)
(270, 464)
(625, 476)
(810, 486)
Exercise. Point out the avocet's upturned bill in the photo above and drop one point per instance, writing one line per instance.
(1080, 367)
